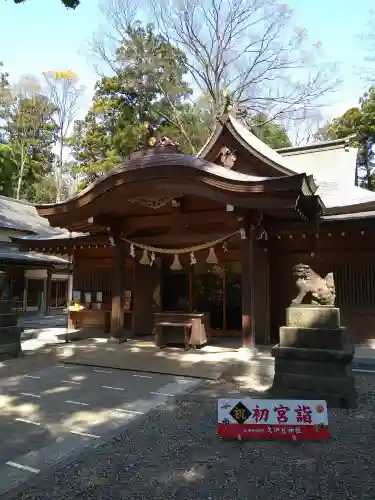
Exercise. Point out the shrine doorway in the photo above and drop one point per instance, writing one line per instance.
(214, 289)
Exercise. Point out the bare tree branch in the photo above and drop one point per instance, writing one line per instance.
(250, 47)
(119, 15)
(64, 94)
(366, 40)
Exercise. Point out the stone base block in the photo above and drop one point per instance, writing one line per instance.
(305, 354)
(300, 367)
(315, 374)
(6, 307)
(333, 400)
(313, 316)
(11, 350)
(10, 342)
(8, 319)
(313, 338)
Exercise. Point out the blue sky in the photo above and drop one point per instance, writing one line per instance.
(42, 35)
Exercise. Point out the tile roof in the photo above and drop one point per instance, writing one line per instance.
(23, 216)
(10, 253)
(332, 165)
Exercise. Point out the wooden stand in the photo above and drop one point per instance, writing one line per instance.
(170, 325)
(95, 319)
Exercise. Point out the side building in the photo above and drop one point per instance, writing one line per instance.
(37, 282)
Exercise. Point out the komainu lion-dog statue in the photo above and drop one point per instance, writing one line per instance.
(322, 290)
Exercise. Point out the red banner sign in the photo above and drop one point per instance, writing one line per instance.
(272, 418)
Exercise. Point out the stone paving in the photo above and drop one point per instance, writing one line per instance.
(50, 414)
(35, 321)
(174, 453)
(40, 330)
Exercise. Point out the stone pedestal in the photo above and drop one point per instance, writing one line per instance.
(313, 358)
(10, 333)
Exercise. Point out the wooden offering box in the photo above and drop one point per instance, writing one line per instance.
(89, 318)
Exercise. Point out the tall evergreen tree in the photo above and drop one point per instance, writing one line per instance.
(358, 122)
(269, 131)
(148, 89)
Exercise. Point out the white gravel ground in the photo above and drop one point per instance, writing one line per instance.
(176, 454)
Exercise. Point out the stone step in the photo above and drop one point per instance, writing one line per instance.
(316, 383)
(314, 338)
(308, 354)
(333, 400)
(301, 367)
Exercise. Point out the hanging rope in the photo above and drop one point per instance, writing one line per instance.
(178, 251)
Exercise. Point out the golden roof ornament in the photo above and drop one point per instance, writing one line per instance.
(228, 104)
(159, 143)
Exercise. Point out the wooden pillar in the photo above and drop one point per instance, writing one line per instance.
(118, 286)
(147, 287)
(247, 248)
(47, 301)
(69, 298)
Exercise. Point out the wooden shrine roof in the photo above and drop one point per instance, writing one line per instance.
(331, 163)
(155, 177)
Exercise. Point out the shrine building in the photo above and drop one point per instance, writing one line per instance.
(218, 235)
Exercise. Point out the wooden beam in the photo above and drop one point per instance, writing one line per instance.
(47, 302)
(178, 239)
(179, 220)
(105, 221)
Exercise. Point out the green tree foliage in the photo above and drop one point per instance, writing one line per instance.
(358, 122)
(45, 190)
(147, 89)
(350, 123)
(69, 4)
(8, 171)
(269, 131)
(253, 48)
(29, 131)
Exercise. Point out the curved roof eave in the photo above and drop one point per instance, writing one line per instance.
(212, 138)
(259, 148)
(250, 142)
(357, 208)
(338, 197)
(150, 166)
(317, 146)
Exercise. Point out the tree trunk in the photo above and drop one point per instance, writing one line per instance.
(20, 176)
(367, 167)
(59, 170)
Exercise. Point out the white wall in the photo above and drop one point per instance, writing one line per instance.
(41, 274)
